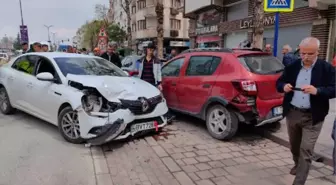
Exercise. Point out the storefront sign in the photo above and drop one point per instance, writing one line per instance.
(210, 17)
(178, 44)
(207, 39)
(268, 21)
(207, 29)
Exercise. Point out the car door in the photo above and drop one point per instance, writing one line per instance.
(18, 86)
(170, 75)
(196, 82)
(46, 95)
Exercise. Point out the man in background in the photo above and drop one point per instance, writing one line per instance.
(24, 47)
(288, 55)
(173, 53)
(45, 47)
(96, 52)
(35, 47)
(268, 48)
(111, 55)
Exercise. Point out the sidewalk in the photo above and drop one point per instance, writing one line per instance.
(324, 145)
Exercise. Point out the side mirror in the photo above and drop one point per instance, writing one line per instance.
(45, 76)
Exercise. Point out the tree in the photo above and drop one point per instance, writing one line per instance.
(126, 6)
(115, 33)
(17, 42)
(91, 31)
(258, 28)
(101, 12)
(159, 8)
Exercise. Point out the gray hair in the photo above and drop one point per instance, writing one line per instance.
(310, 40)
(287, 46)
(112, 44)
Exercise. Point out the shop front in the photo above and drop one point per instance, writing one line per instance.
(206, 31)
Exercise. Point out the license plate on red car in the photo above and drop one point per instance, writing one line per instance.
(277, 111)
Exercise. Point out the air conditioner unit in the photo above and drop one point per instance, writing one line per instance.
(174, 33)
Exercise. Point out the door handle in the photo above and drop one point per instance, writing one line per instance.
(173, 83)
(206, 85)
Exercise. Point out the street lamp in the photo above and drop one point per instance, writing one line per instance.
(48, 28)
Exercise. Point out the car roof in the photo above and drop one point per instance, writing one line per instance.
(234, 51)
(59, 55)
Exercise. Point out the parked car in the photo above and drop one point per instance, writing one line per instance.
(4, 56)
(87, 97)
(224, 87)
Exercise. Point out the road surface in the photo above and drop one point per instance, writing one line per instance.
(32, 152)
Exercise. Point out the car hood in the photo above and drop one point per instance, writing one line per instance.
(114, 88)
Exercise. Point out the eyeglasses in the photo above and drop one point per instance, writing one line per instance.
(308, 54)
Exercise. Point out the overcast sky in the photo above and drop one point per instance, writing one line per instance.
(66, 16)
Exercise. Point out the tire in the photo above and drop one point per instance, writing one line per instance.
(5, 105)
(230, 123)
(62, 125)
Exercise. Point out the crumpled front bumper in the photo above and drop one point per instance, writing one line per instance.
(112, 126)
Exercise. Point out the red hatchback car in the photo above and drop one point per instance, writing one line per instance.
(224, 87)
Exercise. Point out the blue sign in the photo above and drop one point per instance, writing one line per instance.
(278, 5)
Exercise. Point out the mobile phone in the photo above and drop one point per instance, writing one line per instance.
(296, 89)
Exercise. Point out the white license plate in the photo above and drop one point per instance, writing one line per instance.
(142, 126)
(277, 111)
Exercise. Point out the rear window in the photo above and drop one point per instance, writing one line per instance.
(261, 64)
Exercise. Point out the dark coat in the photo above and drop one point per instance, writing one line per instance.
(289, 58)
(323, 78)
(115, 59)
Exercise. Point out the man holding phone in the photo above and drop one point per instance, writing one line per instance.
(308, 85)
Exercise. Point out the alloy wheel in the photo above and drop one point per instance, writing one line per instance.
(3, 99)
(218, 121)
(70, 125)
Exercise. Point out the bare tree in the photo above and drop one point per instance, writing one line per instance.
(127, 8)
(258, 25)
(101, 12)
(159, 8)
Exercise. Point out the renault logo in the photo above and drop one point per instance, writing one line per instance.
(144, 104)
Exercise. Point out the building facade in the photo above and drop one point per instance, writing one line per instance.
(228, 23)
(118, 14)
(144, 24)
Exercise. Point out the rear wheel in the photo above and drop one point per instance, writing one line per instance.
(221, 123)
(5, 105)
(68, 125)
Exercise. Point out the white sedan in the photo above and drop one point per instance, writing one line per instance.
(87, 97)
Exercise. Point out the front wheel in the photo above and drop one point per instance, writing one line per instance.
(68, 126)
(5, 105)
(221, 123)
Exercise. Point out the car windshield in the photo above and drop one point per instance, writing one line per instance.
(88, 66)
(261, 64)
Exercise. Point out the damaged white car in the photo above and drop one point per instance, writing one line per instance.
(87, 97)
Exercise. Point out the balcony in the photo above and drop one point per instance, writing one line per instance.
(149, 11)
(191, 7)
(147, 33)
(321, 4)
(174, 11)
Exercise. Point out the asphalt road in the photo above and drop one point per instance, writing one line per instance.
(32, 152)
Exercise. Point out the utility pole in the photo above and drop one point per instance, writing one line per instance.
(22, 23)
(54, 41)
(48, 29)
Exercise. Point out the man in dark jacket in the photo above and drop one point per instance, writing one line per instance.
(288, 55)
(35, 47)
(111, 55)
(24, 47)
(308, 85)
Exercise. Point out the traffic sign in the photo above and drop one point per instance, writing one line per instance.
(278, 5)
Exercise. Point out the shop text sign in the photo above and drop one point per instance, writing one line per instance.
(268, 21)
(207, 29)
(278, 5)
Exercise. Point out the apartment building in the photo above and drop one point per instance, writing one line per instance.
(144, 24)
(226, 23)
(118, 14)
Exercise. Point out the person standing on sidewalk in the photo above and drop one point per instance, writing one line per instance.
(308, 85)
(111, 55)
(333, 136)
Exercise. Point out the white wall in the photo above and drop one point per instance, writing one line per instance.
(192, 5)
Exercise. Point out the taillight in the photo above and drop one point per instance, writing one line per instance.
(246, 87)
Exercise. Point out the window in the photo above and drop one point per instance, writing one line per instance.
(88, 66)
(133, 27)
(261, 64)
(175, 24)
(141, 24)
(176, 3)
(173, 67)
(45, 65)
(202, 65)
(141, 4)
(133, 9)
(25, 64)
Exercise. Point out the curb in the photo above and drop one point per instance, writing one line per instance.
(326, 159)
